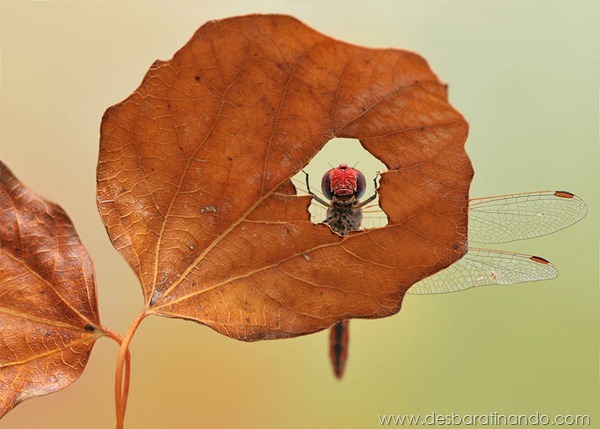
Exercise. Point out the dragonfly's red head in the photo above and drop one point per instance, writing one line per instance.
(343, 182)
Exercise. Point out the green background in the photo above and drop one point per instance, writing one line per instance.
(524, 73)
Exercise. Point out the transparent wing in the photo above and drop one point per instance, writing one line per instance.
(480, 267)
(497, 219)
(521, 216)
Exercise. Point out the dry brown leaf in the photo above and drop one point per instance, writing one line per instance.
(194, 178)
(48, 310)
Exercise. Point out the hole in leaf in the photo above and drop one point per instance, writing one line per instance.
(343, 151)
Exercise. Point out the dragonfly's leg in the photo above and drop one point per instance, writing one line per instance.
(315, 196)
(372, 197)
(367, 201)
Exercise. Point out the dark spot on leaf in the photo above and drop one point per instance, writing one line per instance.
(247, 319)
(47, 334)
(456, 247)
(89, 328)
(258, 336)
(197, 78)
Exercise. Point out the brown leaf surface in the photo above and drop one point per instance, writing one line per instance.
(194, 178)
(48, 311)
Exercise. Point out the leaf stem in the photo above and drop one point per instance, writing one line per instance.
(124, 363)
(118, 394)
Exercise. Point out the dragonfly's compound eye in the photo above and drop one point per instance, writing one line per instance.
(326, 185)
(361, 185)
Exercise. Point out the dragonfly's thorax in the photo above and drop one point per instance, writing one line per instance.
(344, 216)
(344, 200)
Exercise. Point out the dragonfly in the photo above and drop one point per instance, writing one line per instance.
(498, 219)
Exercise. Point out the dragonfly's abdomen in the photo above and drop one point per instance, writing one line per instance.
(338, 350)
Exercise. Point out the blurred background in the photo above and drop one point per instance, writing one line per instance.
(526, 77)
